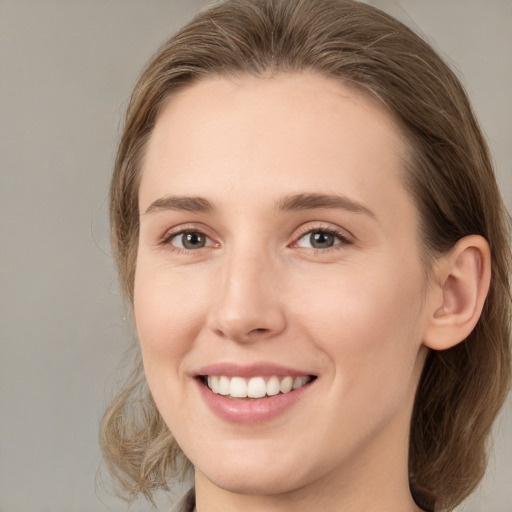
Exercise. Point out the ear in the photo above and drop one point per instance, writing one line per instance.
(457, 292)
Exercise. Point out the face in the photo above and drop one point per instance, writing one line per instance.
(279, 285)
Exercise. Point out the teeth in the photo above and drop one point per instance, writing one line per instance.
(272, 386)
(238, 387)
(286, 385)
(298, 382)
(223, 386)
(256, 387)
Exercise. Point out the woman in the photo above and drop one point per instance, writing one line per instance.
(307, 225)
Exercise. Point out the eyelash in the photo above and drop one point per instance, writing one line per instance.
(343, 238)
(169, 236)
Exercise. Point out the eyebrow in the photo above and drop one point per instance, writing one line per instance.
(316, 201)
(184, 203)
(295, 202)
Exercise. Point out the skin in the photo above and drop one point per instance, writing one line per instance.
(353, 314)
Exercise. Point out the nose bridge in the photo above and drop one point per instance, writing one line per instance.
(248, 305)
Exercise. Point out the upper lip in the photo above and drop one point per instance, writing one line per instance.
(250, 370)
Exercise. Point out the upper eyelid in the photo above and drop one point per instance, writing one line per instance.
(324, 226)
(185, 228)
(166, 241)
(172, 236)
(343, 241)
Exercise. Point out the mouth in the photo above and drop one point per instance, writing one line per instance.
(257, 387)
(252, 394)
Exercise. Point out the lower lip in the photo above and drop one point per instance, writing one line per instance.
(255, 410)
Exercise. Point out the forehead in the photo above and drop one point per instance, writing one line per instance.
(292, 131)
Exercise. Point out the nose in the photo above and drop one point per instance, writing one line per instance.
(248, 306)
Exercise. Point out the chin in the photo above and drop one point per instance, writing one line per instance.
(248, 483)
(250, 477)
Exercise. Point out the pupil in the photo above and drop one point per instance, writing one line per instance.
(321, 240)
(193, 240)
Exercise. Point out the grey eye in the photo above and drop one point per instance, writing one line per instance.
(321, 240)
(189, 240)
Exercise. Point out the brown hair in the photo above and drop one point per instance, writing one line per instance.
(449, 175)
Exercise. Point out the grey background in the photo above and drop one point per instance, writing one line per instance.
(66, 70)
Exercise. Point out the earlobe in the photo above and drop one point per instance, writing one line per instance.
(458, 291)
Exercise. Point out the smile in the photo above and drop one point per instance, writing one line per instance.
(252, 393)
(254, 387)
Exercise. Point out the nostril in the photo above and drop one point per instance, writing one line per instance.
(257, 331)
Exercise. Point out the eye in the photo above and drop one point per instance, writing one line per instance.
(321, 239)
(189, 240)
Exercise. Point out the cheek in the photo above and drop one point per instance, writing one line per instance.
(168, 309)
(368, 324)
